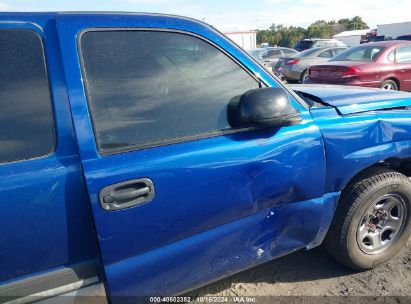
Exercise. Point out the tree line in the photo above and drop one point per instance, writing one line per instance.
(288, 36)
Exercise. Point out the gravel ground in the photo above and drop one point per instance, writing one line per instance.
(314, 273)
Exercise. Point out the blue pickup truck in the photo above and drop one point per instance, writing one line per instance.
(147, 155)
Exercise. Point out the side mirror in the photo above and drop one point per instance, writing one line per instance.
(265, 107)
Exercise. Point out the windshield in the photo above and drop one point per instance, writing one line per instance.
(303, 45)
(360, 53)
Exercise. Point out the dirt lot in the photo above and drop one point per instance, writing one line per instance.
(314, 273)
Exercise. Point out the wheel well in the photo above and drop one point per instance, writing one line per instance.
(400, 165)
(395, 80)
(302, 73)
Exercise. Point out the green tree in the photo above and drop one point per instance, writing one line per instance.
(355, 23)
(288, 36)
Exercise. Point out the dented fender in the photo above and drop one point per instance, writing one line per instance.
(357, 141)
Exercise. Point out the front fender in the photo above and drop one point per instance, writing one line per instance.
(356, 142)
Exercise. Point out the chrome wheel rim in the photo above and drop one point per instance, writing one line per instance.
(388, 86)
(381, 224)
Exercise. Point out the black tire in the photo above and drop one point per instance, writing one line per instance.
(389, 84)
(303, 76)
(341, 240)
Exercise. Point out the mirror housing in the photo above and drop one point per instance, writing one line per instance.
(265, 107)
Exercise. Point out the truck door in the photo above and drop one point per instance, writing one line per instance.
(180, 198)
(46, 236)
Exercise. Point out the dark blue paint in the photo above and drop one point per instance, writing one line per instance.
(222, 204)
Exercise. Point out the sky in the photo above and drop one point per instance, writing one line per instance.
(237, 15)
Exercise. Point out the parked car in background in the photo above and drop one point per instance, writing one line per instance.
(295, 68)
(385, 65)
(311, 43)
(404, 37)
(270, 56)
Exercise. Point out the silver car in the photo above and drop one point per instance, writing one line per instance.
(294, 68)
(269, 56)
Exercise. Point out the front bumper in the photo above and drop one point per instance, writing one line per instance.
(291, 72)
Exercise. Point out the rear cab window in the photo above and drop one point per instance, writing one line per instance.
(26, 116)
(147, 87)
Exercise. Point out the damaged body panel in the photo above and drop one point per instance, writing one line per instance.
(357, 142)
(361, 127)
(213, 203)
(349, 100)
(227, 249)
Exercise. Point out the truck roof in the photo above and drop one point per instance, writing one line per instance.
(42, 17)
(54, 14)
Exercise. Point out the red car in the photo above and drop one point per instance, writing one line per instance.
(384, 64)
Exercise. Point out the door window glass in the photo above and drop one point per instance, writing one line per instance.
(26, 116)
(150, 86)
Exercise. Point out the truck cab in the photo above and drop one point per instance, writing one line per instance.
(145, 155)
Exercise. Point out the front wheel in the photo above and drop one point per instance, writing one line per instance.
(390, 85)
(372, 221)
